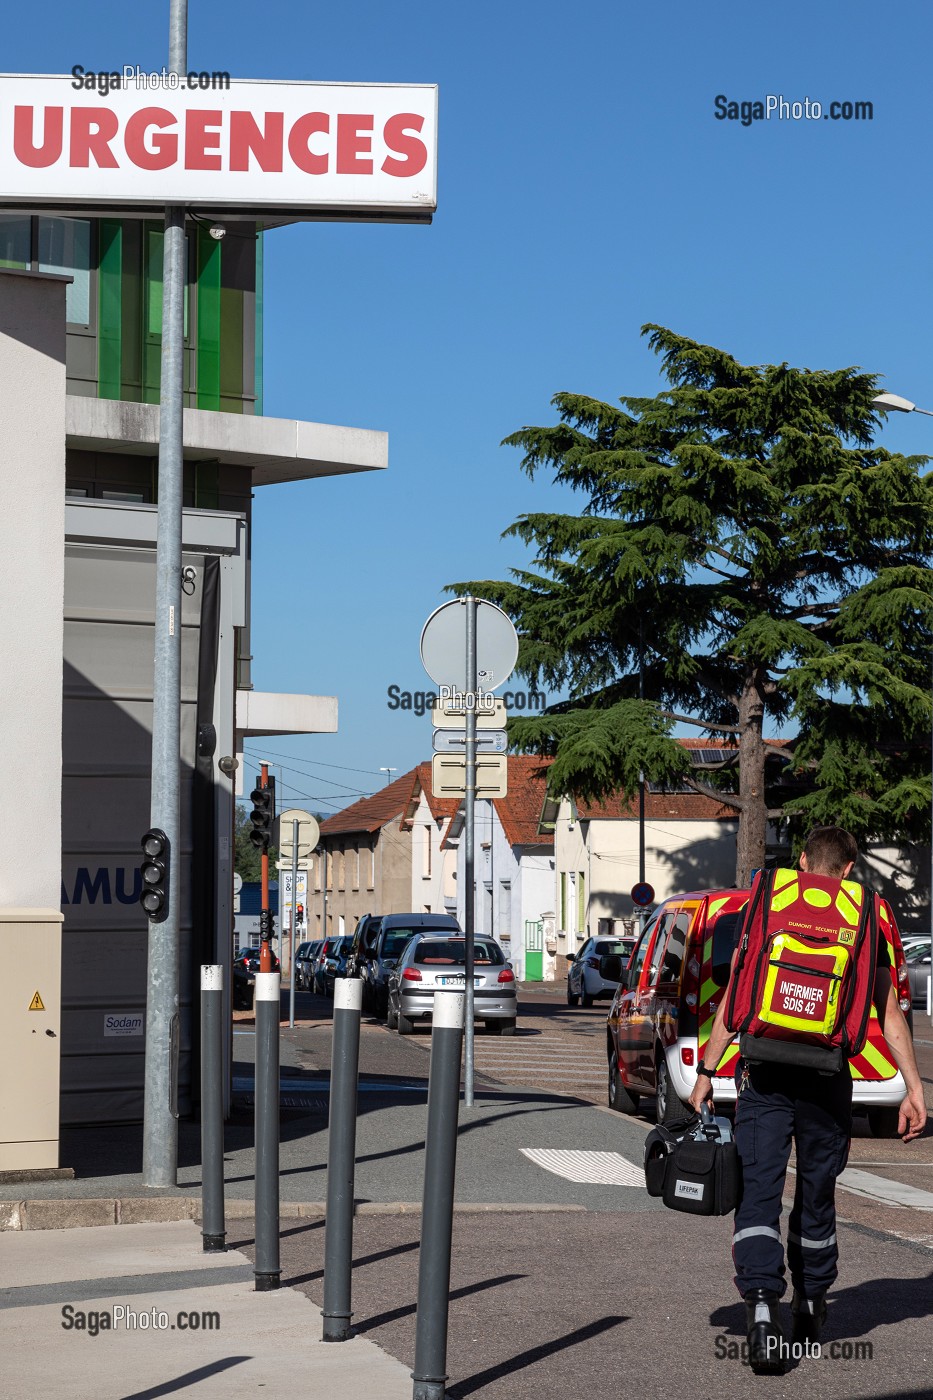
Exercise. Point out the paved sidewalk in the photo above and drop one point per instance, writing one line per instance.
(209, 1333)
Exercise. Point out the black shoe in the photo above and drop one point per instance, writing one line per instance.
(765, 1338)
(809, 1314)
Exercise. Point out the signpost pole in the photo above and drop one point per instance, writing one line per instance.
(469, 847)
(160, 1123)
(291, 935)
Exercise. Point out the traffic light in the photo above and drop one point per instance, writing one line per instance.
(301, 913)
(155, 873)
(263, 814)
(266, 928)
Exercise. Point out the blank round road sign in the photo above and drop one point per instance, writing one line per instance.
(443, 645)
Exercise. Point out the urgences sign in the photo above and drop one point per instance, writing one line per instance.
(316, 150)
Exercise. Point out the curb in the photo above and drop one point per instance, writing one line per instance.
(143, 1210)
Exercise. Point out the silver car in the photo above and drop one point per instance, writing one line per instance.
(584, 982)
(435, 963)
(918, 970)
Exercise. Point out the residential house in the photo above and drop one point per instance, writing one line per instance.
(514, 862)
(363, 864)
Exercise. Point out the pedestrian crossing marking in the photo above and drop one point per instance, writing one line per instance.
(590, 1168)
(37, 1004)
(880, 1188)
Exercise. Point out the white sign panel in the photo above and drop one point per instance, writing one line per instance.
(319, 150)
(285, 895)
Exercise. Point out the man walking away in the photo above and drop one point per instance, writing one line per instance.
(780, 1103)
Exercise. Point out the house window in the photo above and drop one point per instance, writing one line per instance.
(341, 871)
(356, 867)
(15, 242)
(372, 868)
(581, 902)
(563, 900)
(427, 852)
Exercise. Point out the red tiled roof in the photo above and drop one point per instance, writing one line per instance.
(520, 810)
(371, 813)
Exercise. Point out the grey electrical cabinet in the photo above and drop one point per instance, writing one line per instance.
(30, 1037)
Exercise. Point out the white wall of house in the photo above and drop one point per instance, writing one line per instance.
(596, 865)
(433, 866)
(513, 884)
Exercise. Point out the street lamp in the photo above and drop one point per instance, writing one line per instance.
(899, 404)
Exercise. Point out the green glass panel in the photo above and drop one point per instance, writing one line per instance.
(109, 309)
(209, 320)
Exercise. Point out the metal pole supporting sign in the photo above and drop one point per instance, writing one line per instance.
(160, 1124)
(469, 853)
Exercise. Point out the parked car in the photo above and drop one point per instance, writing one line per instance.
(248, 959)
(663, 1010)
(918, 970)
(361, 950)
(436, 962)
(585, 982)
(305, 956)
(394, 932)
(331, 964)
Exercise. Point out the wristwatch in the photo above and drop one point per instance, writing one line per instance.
(701, 1069)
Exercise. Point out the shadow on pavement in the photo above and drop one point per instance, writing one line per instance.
(471, 1384)
(410, 1308)
(189, 1379)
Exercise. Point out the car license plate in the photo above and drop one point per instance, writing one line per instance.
(455, 980)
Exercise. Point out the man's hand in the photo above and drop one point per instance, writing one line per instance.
(702, 1093)
(913, 1115)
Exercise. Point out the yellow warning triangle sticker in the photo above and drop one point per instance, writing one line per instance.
(37, 1004)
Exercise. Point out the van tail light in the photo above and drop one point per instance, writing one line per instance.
(411, 974)
(593, 963)
(506, 975)
(686, 1054)
(691, 983)
(904, 998)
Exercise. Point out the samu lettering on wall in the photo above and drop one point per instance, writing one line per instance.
(105, 885)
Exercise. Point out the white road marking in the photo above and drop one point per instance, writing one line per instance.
(880, 1188)
(595, 1168)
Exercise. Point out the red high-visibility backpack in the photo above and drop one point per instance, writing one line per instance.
(801, 991)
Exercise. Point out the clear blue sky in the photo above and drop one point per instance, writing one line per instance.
(585, 187)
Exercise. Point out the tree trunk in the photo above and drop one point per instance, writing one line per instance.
(753, 818)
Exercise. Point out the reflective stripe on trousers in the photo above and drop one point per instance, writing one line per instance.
(778, 1105)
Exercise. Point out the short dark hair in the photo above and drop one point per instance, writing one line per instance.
(829, 850)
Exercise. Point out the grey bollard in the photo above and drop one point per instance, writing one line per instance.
(266, 1269)
(213, 1233)
(341, 1158)
(437, 1211)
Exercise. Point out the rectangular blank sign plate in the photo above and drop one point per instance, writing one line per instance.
(448, 775)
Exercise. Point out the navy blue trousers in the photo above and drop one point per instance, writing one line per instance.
(778, 1104)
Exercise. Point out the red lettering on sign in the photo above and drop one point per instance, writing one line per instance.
(202, 140)
(248, 138)
(164, 149)
(354, 145)
(92, 130)
(397, 139)
(299, 136)
(24, 145)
